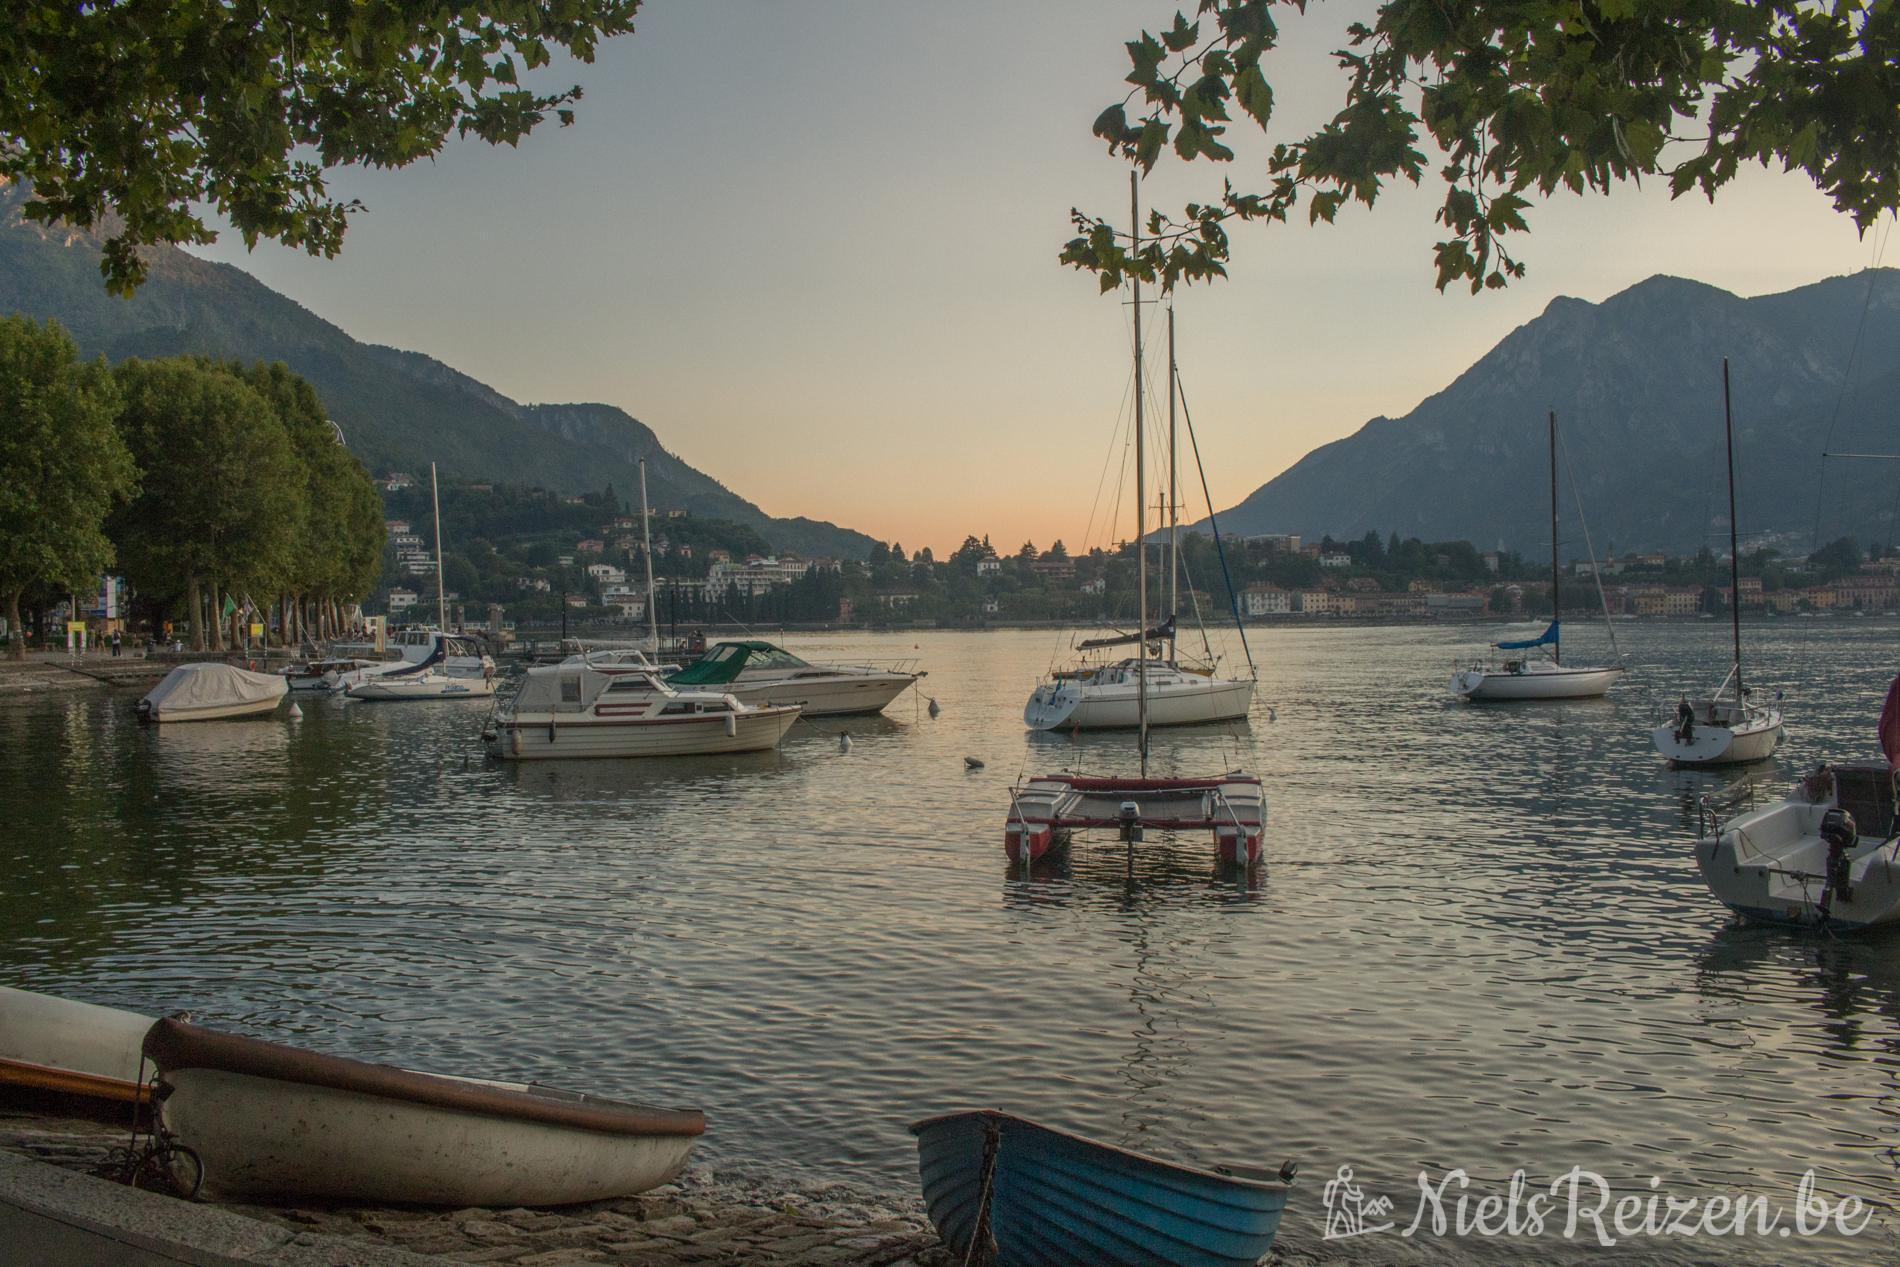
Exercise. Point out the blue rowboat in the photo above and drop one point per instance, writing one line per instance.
(1030, 1196)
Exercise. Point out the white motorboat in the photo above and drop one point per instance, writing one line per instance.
(209, 690)
(330, 675)
(1106, 698)
(431, 683)
(1530, 678)
(573, 710)
(1716, 731)
(758, 672)
(266, 1120)
(79, 1049)
(1828, 856)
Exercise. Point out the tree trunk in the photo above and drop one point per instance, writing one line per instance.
(16, 641)
(217, 618)
(195, 612)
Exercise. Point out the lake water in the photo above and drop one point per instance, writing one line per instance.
(1480, 942)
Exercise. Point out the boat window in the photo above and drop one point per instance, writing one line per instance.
(720, 707)
(678, 707)
(725, 652)
(778, 658)
(570, 690)
(639, 683)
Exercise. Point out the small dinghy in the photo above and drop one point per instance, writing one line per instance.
(209, 690)
(265, 1120)
(67, 1048)
(1008, 1192)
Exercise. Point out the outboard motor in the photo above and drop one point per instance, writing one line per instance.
(1839, 831)
(1130, 822)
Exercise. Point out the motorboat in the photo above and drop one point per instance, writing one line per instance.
(50, 1044)
(1717, 731)
(430, 683)
(1006, 1191)
(617, 660)
(1105, 698)
(258, 1120)
(758, 672)
(575, 710)
(209, 690)
(1828, 856)
(329, 675)
(1526, 677)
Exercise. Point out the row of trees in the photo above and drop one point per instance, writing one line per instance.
(203, 483)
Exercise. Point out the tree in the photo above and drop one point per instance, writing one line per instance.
(221, 492)
(142, 110)
(1518, 97)
(62, 464)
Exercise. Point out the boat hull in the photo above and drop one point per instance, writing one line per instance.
(1478, 684)
(388, 688)
(1057, 1198)
(266, 1120)
(1771, 866)
(1046, 812)
(58, 1045)
(1072, 706)
(846, 695)
(1713, 745)
(545, 739)
(249, 708)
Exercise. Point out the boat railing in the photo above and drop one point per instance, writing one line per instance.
(1714, 808)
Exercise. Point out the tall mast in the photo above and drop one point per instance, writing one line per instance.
(1174, 488)
(1734, 546)
(1556, 608)
(1141, 492)
(646, 536)
(441, 604)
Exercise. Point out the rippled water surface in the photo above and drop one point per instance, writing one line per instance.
(1481, 941)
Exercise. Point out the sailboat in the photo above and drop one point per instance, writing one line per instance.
(1528, 677)
(1045, 811)
(1719, 731)
(454, 667)
(1149, 688)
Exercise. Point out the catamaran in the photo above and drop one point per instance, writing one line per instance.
(1046, 811)
(1718, 730)
(1525, 677)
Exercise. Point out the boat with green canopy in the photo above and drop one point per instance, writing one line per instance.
(762, 673)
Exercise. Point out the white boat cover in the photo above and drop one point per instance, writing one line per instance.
(195, 688)
(563, 688)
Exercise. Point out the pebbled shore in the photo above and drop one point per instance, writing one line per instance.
(704, 1217)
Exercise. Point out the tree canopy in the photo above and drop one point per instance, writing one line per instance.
(139, 111)
(1518, 98)
(62, 464)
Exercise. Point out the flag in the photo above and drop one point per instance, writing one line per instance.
(230, 607)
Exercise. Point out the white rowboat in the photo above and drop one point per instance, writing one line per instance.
(57, 1045)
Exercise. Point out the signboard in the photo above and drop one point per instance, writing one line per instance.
(103, 603)
(75, 626)
(257, 630)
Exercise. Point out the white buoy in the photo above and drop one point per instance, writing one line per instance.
(844, 741)
(934, 710)
(972, 763)
(296, 713)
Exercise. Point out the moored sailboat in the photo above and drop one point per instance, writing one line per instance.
(1718, 731)
(1525, 677)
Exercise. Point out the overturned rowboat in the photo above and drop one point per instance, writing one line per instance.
(258, 1119)
(1009, 1192)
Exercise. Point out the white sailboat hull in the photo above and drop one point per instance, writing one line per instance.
(1533, 683)
(529, 738)
(839, 695)
(425, 686)
(1074, 705)
(1755, 739)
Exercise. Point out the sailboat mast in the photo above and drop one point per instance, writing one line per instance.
(1556, 607)
(1174, 490)
(1734, 539)
(1141, 491)
(441, 602)
(646, 536)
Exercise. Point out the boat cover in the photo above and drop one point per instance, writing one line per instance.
(1160, 633)
(1548, 636)
(561, 688)
(192, 688)
(727, 660)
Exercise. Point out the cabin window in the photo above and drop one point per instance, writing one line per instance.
(629, 684)
(715, 708)
(677, 708)
(570, 690)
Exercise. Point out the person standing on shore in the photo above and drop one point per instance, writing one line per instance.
(115, 644)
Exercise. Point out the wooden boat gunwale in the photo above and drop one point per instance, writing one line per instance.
(173, 1045)
(37, 1077)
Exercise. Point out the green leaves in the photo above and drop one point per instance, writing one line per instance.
(1518, 96)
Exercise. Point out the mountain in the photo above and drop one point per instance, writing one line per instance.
(398, 410)
(1636, 382)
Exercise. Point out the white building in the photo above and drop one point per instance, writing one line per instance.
(401, 600)
(1267, 600)
(1335, 559)
(988, 567)
(606, 573)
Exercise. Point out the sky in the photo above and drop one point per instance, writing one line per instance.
(814, 246)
